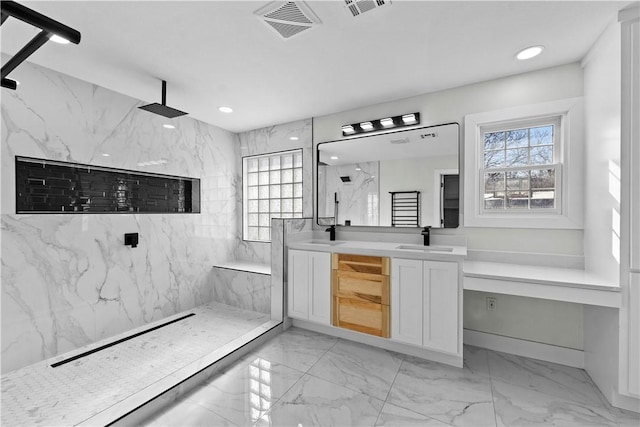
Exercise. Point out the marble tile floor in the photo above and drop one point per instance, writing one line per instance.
(302, 378)
(98, 384)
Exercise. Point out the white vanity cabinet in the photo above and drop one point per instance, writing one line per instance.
(425, 304)
(406, 301)
(309, 286)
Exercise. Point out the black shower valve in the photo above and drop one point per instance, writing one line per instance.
(131, 239)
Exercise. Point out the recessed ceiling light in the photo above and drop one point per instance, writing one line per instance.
(529, 52)
(58, 39)
(105, 154)
(334, 157)
(225, 109)
(294, 138)
(358, 169)
(168, 126)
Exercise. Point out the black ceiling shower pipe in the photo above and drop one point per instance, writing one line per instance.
(163, 109)
(48, 26)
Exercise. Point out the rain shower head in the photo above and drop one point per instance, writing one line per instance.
(162, 109)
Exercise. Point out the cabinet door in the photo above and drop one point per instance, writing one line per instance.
(440, 317)
(406, 300)
(320, 287)
(298, 284)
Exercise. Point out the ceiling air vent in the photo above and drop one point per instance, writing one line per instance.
(358, 7)
(288, 18)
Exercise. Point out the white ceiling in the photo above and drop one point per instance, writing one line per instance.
(215, 53)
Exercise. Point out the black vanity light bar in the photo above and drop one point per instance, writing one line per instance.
(49, 29)
(381, 124)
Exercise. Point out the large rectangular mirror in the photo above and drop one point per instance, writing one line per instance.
(405, 178)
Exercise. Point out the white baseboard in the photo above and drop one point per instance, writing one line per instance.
(629, 403)
(385, 343)
(546, 352)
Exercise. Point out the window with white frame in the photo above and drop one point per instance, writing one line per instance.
(272, 188)
(523, 166)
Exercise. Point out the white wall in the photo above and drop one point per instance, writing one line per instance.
(556, 322)
(452, 105)
(602, 155)
(68, 280)
(602, 84)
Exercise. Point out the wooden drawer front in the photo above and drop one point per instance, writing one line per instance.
(362, 316)
(361, 263)
(361, 286)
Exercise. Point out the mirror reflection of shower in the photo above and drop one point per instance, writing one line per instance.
(364, 171)
(349, 193)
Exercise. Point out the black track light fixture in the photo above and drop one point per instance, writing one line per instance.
(50, 29)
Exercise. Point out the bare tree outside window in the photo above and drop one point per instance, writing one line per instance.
(519, 170)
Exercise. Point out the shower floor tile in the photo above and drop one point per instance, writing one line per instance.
(76, 391)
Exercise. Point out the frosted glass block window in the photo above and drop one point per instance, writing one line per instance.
(520, 166)
(272, 187)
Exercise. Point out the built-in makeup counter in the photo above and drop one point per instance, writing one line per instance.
(559, 278)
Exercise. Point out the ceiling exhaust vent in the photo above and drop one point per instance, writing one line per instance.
(358, 7)
(288, 18)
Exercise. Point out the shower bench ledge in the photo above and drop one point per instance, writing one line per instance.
(250, 267)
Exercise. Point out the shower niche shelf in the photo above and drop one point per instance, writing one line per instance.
(47, 186)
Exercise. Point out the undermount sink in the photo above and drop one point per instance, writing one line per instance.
(323, 242)
(424, 248)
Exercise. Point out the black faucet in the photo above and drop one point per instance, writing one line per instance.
(426, 232)
(332, 232)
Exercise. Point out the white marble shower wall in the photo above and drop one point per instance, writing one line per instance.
(67, 279)
(268, 140)
(243, 289)
(358, 199)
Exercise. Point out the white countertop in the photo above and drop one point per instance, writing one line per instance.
(553, 283)
(390, 249)
(543, 275)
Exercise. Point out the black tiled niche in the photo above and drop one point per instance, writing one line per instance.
(45, 186)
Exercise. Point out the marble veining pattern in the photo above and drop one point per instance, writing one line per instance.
(318, 380)
(73, 392)
(68, 280)
(349, 364)
(242, 289)
(452, 395)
